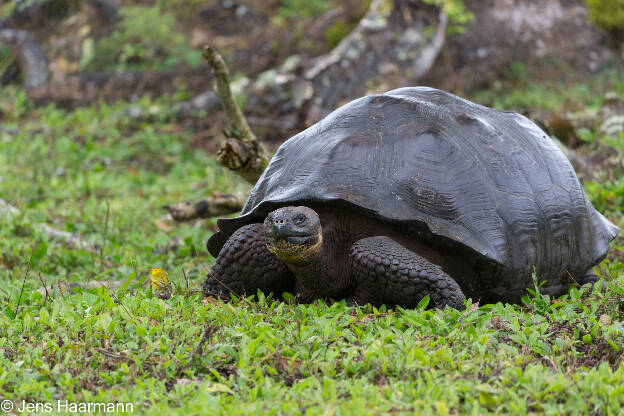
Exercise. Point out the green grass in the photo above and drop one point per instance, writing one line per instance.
(146, 37)
(517, 91)
(97, 172)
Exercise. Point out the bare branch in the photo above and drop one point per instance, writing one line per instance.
(240, 127)
(242, 153)
(391, 38)
(215, 205)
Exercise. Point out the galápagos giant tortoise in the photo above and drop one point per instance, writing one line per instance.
(410, 193)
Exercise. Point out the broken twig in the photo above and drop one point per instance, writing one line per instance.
(242, 152)
(19, 300)
(45, 287)
(215, 205)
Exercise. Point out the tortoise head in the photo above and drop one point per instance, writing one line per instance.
(293, 234)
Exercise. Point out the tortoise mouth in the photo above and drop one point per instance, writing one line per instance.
(293, 248)
(304, 240)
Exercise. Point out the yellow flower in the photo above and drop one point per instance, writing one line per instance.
(160, 283)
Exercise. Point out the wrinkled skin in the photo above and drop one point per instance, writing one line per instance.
(356, 265)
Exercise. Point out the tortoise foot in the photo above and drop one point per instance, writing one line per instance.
(245, 265)
(592, 279)
(387, 272)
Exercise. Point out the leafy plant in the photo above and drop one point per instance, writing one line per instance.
(608, 14)
(6, 60)
(303, 9)
(146, 37)
(608, 196)
(9, 7)
(336, 32)
(458, 15)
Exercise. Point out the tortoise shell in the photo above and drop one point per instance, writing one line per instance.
(463, 175)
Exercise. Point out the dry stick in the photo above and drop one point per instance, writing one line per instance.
(243, 154)
(187, 281)
(116, 299)
(122, 305)
(215, 205)
(242, 298)
(209, 331)
(239, 124)
(573, 279)
(226, 286)
(112, 354)
(46, 289)
(19, 300)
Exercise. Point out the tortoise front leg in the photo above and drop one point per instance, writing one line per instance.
(592, 279)
(245, 265)
(387, 272)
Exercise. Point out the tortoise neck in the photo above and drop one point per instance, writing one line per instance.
(328, 273)
(316, 276)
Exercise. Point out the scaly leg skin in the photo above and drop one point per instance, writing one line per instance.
(592, 279)
(387, 272)
(245, 265)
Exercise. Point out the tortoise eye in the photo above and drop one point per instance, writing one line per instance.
(299, 220)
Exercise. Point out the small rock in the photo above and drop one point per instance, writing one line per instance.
(499, 324)
(241, 11)
(187, 381)
(209, 300)
(473, 307)
(604, 319)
